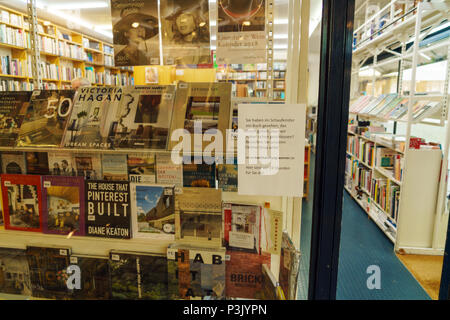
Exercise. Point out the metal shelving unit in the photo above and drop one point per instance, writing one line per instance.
(399, 42)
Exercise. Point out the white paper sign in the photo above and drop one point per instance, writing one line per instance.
(261, 170)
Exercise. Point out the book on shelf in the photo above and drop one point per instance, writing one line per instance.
(195, 272)
(153, 211)
(48, 271)
(108, 212)
(14, 272)
(46, 118)
(63, 205)
(22, 205)
(138, 276)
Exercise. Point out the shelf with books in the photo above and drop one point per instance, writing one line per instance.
(57, 43)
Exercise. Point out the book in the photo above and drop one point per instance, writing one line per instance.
(22, 205)
(94, 282)
(14, 272)
(37, 163)
(270, 285)
(13, 107)
(108, 210)
(114, 167)
(242, 226)
(201, 110)
(13, 163)
(61, 164)
(196, 272)
(88, 166)
(141, 168)
(244, 278)
(63, 205)
(92, 122)
(46, 118)
(153, 211)
(271, 230)
(227, 177)
(198, 216)
(144, 117)
(48, 271)
(138, 276)
(2, 222)
(289, 267)
(198, 172)
(168, 172)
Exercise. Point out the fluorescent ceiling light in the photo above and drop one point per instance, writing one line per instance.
(78, 5)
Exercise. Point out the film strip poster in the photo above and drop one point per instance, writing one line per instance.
(185, 32)
(241, 36)
(135, 32)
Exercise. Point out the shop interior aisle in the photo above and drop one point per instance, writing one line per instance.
(362, 245)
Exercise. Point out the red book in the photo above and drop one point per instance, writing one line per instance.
(22, 202)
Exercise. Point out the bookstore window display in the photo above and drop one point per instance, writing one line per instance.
(98, 162)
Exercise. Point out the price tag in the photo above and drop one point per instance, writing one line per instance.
(47, 184)
(63, 252)
(115, 257)
(74, 260)
(154, 61)
(7, 183)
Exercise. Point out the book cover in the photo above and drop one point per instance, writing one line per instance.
(144, 117)
(14, 272)
(242, 227)
(153, 211)
(48, 271)
(198, 216)
(92, 122)
(198, 173)
(94, 283)
(13, 107)
(21, 196)
(141, 168)
(88, 166)
(13, 163)
(289, 267)
(61, 164)
(185, 32)
(108, 213)
(37, 163)
(114, 167)
(46, 118)
(202, 109)
(271, 230)
(135, 32)
(244, 277)
(227, 177)
(270, 285)
(195, 272)
(136, 276)
(63, 205)
(168, 172)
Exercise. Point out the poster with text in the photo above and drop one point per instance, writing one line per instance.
(271, 148)
(241, 34)
(135, 32)
(185, 32)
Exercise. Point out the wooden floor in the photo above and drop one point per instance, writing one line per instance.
(427, 270)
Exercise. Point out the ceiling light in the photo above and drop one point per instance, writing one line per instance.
(202, 24)
(246, 23)
(135, 24)
(46, 23)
